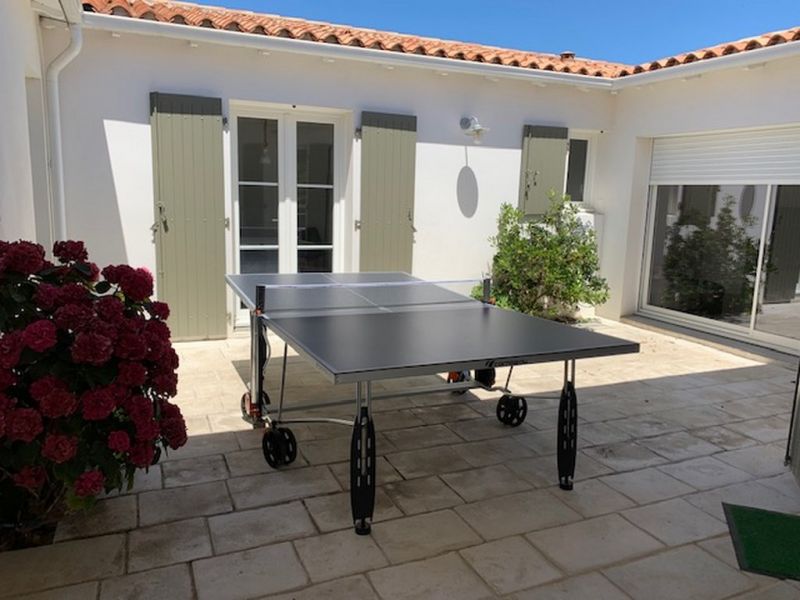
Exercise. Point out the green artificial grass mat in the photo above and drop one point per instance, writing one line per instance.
(766, 542)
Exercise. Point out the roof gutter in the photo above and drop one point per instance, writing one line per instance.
(742, 60)
(54, 116)
(334, 51)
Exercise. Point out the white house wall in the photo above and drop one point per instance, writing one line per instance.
(19, 59)
(108, 163)
(722, 100)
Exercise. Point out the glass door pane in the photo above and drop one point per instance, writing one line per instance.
(779, 297)
(258, 177)
(704, 251)
(315, 185)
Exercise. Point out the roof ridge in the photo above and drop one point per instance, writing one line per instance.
(247, 21)
(361, 28)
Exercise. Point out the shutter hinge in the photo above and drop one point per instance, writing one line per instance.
(357, 133)
(227, 222)
(357, 224)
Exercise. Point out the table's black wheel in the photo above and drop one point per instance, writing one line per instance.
(273, 445)
(512, 410)
(289, 445)
(457, 377)
(486, 377)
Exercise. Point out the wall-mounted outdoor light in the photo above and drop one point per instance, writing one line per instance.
(471, 127)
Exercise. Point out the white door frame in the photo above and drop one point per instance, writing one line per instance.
(746, 333)
(287, 117)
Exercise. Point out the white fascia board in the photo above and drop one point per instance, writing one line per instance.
(128, 25)
(53, 9)
(741, 60)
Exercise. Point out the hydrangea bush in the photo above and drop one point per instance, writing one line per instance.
(86, 373)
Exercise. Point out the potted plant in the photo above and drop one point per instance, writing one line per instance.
(86, 373)
(546, 266)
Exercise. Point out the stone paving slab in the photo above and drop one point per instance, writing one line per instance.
(595, 498)
(190, 471)
(173, 582)
(338, 554)
(107, 516)
(422, 495)
(259, 527)
(517, 513)
(706, 472)
(161, 545)
(510, 565)
(242, 575)
(280, 486)
(593, 543)
(675, 522)
(591, 586)
(445, 577)
(59, 565)
(332, 511)
(487, 482)
(647, 485)
(421, 536)
(349, 588)
(83, 591)
(686, 572)
(179, 503)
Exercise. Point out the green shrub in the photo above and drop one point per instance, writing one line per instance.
(710, 271)
(547, 266)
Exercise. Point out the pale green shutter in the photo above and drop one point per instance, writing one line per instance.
(544, 160)
(189, 213)
(388, 155)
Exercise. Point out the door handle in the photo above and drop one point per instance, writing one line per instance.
(411, 222)
(162, 218)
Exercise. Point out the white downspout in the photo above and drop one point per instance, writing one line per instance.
(54, 117)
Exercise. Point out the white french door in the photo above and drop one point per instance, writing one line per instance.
(287, 172)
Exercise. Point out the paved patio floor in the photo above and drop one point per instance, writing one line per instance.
(466, 508)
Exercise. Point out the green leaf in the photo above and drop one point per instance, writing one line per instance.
(102, 287)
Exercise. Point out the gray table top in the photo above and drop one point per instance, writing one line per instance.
(368, 333)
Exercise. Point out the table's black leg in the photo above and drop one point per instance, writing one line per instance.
(362, 466)
(567, 428)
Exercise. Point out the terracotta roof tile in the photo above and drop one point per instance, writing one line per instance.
(195, 15)
(744, 45)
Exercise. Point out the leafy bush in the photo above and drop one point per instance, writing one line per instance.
(86, 371)
(547, 266)
(710, 271)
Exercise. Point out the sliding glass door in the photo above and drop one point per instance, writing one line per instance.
(779, 298)
(727, 256)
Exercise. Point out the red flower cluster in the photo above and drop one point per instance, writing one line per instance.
(70, 251)
(90, 483)
(80, 362)
(40, 335)
(22, 257)
(23, 424)
(136, 284)
(54, 397)
(59, 448)
(30, 478)
(118, 441)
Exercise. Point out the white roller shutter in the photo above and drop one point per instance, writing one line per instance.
(743, 157)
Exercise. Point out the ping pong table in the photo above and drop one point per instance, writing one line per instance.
(357, 328)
